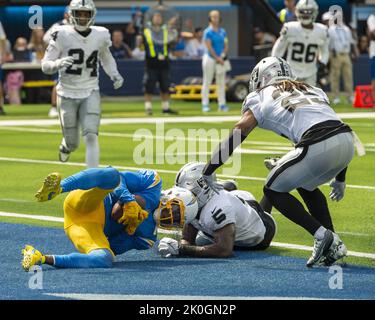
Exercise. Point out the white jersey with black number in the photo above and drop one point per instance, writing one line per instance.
(80, 79)
(226, 208)
(289, 114)
(303, 47)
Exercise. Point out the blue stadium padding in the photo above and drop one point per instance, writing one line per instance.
(180, 69)
(144, 272)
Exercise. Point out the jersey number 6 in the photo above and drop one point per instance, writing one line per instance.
(91, 62)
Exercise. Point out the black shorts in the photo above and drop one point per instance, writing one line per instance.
(270, 225)
(153, 76)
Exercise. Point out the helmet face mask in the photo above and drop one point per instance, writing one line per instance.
(307, 11)
(269, 70)
(82, 14)
(177, 206)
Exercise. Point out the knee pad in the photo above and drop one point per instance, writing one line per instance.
(71, 138)
(91, 138)
(90, 124)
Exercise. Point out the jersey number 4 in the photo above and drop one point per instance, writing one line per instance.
(79, 55)
(302, 53)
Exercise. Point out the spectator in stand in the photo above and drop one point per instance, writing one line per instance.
(263, 43)
(195, 47)
(14, 79)
(139, 51)
(178, 50)
(137, 18)
(363, 45)
(3, 40)
(119, 49)
(130, 34)
(289, 12)
(37, 44)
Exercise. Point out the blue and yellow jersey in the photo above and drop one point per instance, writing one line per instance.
(148, 185)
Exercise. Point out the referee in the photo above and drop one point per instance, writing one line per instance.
(214, 62)
(157, 63)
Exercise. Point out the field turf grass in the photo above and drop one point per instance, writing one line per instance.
(354, 216)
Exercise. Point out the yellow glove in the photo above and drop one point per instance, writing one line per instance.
(133, 216)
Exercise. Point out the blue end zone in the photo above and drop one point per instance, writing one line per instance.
(248, 274)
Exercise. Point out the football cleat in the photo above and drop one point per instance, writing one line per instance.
(64, 153)
(53, 113)
(223, 108)
(50, 188)
(31, 257)
(170, 111)
(206, 108)
(270, 163)
(321, 249)
(336, 252)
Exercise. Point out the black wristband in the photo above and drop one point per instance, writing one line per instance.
(221, 155)
(342, 175)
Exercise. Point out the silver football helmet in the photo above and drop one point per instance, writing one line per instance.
(269, 70)
(178, 206)
(79, 22)
(307, 11)
(190, 177)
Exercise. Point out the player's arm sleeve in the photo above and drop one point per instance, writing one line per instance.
(53, 53)
(281, 43)
(137, 182)
(324, 50)
(106, 58)
(239, 133)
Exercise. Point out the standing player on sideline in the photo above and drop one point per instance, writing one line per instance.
(305, 43)
(3, 39)
(106, 213)
(53, 113)
(214, 61)
(323, 150)
(75, 51)
(371, 29)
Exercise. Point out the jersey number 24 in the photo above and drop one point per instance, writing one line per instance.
(79, 56)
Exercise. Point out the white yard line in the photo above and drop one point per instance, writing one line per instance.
(193, 119)
(82, 164)
(273, 244)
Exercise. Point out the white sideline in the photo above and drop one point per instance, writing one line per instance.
(82, 164)
(273, 244)
(101, 296)
(193, 119)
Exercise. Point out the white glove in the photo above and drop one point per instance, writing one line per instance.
(64, 62)
(117, 81)
(168, 247)
(338, 189)
(216, 187)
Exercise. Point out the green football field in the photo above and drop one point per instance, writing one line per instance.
(29, 151)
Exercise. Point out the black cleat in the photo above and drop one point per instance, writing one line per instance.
(170, 111)
(228, 185)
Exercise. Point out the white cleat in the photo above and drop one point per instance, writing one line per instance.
(64, 154)
(53, 113)
(336, 252)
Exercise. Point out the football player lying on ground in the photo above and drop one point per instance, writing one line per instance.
(213, 224)
(106, 213)
(323, 149)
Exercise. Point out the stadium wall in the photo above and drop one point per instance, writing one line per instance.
(133, 73)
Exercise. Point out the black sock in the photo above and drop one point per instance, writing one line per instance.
(293, 209)
(317, 204)
(266, 204)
